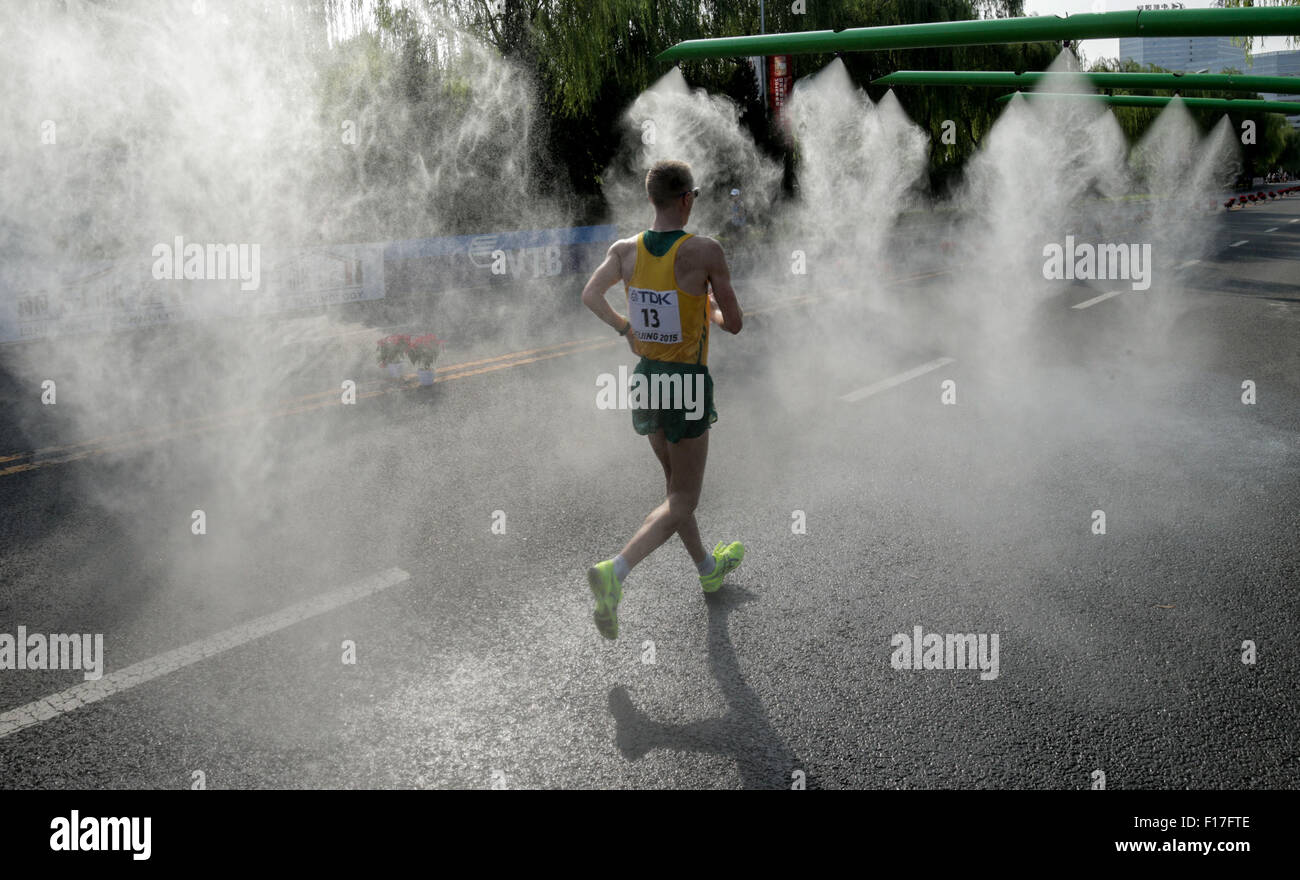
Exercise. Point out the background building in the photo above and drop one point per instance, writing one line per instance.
(1214, 55)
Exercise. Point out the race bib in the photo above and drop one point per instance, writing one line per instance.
(654, 315)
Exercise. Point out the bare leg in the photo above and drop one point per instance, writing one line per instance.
(689, 530)
(686, 460)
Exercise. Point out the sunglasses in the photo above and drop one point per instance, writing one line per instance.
(691, 192)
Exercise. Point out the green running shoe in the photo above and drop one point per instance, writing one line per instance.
(608, 592)
(726, 558)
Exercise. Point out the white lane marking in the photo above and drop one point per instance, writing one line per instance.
(885, 384)
(1188, 263)
(1297, 220)
(1239, 243)
(1096, 299)
(1274, 229)
(138, 673)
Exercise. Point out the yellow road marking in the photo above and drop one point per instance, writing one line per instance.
(199, 424)
(110, 438)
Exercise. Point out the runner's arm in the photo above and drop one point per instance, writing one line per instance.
(607, 274)
(724, 310)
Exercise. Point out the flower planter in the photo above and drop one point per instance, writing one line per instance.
(394, 371)
(426, 376)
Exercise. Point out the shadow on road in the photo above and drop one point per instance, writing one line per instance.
(743, 733)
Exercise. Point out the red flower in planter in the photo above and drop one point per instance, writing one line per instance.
(424, 350)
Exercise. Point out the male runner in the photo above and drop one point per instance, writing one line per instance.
(667, 274)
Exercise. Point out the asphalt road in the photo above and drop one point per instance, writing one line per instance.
(476, 661)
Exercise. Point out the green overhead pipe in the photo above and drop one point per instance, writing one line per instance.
(1255, 21)
(1230, 82)
(1243, 105)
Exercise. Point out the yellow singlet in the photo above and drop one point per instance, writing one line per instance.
(670, 324)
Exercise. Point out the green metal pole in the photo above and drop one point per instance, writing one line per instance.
(1246, 21)
(1009, 79)
(1243, 105)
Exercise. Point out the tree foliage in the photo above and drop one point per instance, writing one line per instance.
(585, 62)
(1258, 158)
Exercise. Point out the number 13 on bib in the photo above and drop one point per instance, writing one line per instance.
(654, 315)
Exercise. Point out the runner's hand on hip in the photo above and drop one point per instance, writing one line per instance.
(715, 311)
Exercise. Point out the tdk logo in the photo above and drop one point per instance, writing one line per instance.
(652, 297)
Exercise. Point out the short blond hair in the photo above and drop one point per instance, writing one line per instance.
(667, 180)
